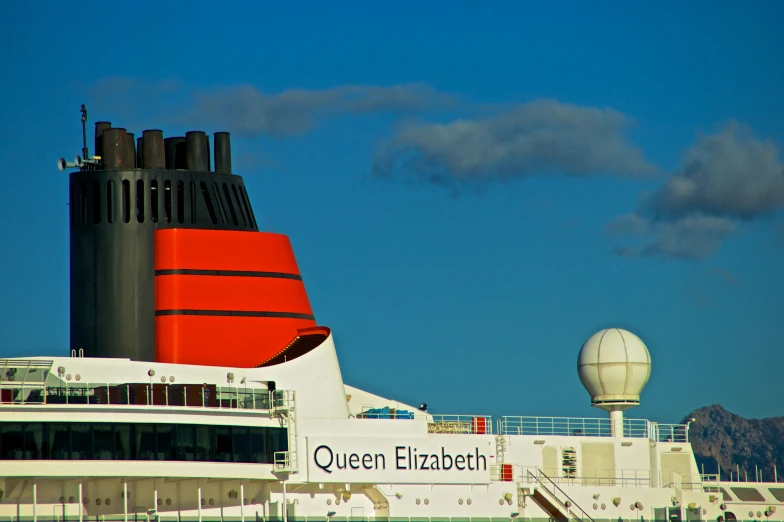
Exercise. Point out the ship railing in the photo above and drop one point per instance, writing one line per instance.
(572, 426)
(30, 372)
(142, 394)
(620, 477)
(559, 495)
(460, 424)
(670, 432)
(282, 461)
(387, 412)
(707, 483)
(282, 400)
(456, 424)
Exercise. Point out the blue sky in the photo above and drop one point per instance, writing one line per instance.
(472, 188)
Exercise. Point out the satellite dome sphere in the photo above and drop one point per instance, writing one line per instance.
(614, 366)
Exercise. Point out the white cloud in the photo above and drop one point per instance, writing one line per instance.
(540, 137)
(724, 178)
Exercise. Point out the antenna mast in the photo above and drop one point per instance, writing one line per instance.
(84, 133)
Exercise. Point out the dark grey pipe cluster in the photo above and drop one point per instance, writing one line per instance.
(120, 150)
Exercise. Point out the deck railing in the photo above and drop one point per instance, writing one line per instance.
(624, 478)
(460, 424)
(671, 432)
(140, 394)
(593, 427)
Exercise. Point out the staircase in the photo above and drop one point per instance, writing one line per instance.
(554, 501)
(284, 407)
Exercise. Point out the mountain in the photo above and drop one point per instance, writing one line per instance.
(720, 437)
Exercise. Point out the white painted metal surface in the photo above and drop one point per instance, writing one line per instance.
(349, 456)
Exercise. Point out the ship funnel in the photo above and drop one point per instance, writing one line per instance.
(144, 211)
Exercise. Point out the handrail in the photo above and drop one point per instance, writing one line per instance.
(150, 394)
(460, 424)
(616, 477)
(592, 427)
(573, 503)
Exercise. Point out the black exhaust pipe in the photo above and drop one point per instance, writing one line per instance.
(207, 148)
(222, 143)
(175, 153)
(196, 154)
(113, 148)
(100, 126)
(130, 151)
(139, 155)
(153, 152)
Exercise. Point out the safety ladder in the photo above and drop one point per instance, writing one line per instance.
(284, 407)
(500, 449)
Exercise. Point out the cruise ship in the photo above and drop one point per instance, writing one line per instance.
(200, 386)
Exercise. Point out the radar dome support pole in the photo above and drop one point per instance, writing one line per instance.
(616, 423)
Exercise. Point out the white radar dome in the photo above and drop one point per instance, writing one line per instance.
(614, 366)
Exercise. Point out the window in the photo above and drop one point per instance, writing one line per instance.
(103, 442)
(185, 442)
(240, 444)
(166, 449)
(223, 442)
(748, 494)
(136, 441)
(81, 441)
(778, 493)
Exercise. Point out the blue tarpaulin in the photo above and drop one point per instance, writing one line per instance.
(387, 413)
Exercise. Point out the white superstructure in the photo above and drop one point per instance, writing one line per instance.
(93, 439)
